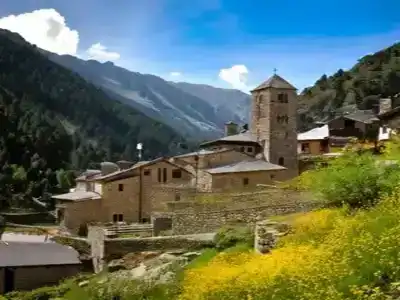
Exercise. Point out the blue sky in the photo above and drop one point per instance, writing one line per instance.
(194, 40)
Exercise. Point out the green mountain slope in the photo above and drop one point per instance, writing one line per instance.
(374, 76)
(51, 118)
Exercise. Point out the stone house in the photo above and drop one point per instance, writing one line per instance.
(337, 132)
(314, 141)
(391, 118)
(27, 266)
(117, 195)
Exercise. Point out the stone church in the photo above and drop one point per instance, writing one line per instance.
(263, 154)
(272, 134)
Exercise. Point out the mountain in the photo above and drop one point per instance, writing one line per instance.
(375, 76)
(52, 119)
(228, 104)
(193, 110)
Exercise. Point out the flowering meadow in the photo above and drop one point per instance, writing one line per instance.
(348, 251)
(331, 255)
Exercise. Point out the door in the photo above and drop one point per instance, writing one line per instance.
(8, 280)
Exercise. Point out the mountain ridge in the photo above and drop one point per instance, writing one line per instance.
(188, 112)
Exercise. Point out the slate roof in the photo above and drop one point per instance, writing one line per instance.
(78, 196)
(275, 81)
(244, 137)
(318, 133)
(88, 174)
(202, 152)
(390, 113)
(18, 254)
(364, 116)
(246, 166)
(126, 172)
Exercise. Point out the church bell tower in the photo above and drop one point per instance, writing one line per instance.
(274, 122)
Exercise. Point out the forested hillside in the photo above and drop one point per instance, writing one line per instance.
(52, 119)
(374, 76)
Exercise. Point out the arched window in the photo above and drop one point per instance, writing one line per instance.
(283, 98)
(281, 161)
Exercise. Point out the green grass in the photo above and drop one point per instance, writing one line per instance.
(203, 259)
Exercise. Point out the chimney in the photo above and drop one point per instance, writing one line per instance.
(385, 105)
(124, 164)
(376, 109)
(108, 167)
(231, 128)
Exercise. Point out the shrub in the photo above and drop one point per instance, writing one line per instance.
(229, 236)
(44, 293)
(355, 180)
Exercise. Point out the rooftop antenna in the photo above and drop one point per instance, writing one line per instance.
(139, 148)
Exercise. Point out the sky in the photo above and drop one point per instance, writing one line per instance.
(224, 43)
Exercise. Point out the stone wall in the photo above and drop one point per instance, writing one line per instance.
(202, 217)
(103, 249)
(161, 223)
(211, 221)
(117, 248)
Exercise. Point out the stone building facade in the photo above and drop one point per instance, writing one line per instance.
(274, 122)
(119, 196)
(263, 154)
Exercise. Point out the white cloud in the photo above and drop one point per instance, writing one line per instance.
(236, 76)
(100, 53)
(175, 74)
(45, 28)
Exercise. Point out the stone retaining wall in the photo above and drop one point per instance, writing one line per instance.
(103, 249)
(117, 248)
(188, 222)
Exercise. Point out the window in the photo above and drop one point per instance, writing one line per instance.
(118, 218)
(245, 181)
(282, 119)
(281, 161)
(305, 148)
(283, 98)
(349, 123)
(241, 149)
(120, 187)
(159, 175)
(177, 197)
(384, 130)
(250, 149)
(176, 173)
(147, 172)
(145, 220)
(165, 174)
(272, 176)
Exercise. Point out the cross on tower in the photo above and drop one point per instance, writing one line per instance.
(275, 70)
